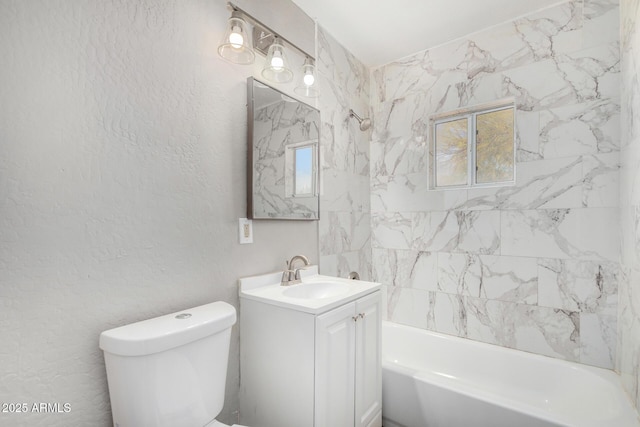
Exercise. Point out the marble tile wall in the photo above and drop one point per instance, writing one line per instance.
(345, 229)
(628, 362)
(534, 266)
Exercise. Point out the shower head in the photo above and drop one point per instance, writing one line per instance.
(364, 123)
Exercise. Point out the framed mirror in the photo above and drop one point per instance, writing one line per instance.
(283, 164)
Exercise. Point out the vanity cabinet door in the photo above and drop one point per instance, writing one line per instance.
(368, 380)
(335, 367)
(348, 365)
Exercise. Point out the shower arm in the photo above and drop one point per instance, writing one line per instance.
(364, 123)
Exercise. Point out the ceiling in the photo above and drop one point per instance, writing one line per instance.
(380, 31)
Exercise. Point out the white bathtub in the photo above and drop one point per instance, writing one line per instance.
(435, 380)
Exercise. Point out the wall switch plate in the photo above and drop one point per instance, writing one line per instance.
(245, 230)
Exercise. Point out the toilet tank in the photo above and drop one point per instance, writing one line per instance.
(171, 370)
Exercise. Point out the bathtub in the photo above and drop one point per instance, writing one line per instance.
(435, 380)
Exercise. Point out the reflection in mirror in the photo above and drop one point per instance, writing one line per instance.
(283, 136)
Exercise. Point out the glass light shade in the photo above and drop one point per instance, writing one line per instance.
(308, 86)
(236, 44)
(275, 67)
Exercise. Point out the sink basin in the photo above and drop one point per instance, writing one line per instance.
(316, 294)
(316, 290)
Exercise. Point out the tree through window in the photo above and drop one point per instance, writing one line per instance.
(473, 147)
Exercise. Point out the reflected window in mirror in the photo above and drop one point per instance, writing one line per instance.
(301, 175)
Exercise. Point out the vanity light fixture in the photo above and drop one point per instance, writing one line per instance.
(245, 35)
(236, 44)
(276, 67)
(308, 86)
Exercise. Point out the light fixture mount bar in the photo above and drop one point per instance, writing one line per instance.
(263, 36)
(262, 39)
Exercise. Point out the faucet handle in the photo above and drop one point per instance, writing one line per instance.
(286, 277)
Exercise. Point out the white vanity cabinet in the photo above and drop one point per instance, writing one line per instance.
(317, 367)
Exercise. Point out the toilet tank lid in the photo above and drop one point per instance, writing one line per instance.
(168, 331)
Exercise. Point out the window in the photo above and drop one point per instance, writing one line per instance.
(473, 147)
(300, 170)
(303, 171)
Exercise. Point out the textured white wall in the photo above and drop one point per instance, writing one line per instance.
(122, 175)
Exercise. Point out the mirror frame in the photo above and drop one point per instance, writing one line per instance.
(250, 156)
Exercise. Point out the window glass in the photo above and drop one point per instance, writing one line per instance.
(473, 147)
(451, 153)
(494, 146)
(303, 171)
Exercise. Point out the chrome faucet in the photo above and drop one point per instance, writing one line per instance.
(291, 275)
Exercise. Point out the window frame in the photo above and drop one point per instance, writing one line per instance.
(471, 115)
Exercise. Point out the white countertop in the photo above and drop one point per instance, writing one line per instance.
(267, 288)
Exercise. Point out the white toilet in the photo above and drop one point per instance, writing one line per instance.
(170, 371)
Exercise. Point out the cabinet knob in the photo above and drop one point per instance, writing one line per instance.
(361, 315)
(355, 318)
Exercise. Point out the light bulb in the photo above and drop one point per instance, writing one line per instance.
(306, 86)
(235, 38)
(308, 79)
(277, 62)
